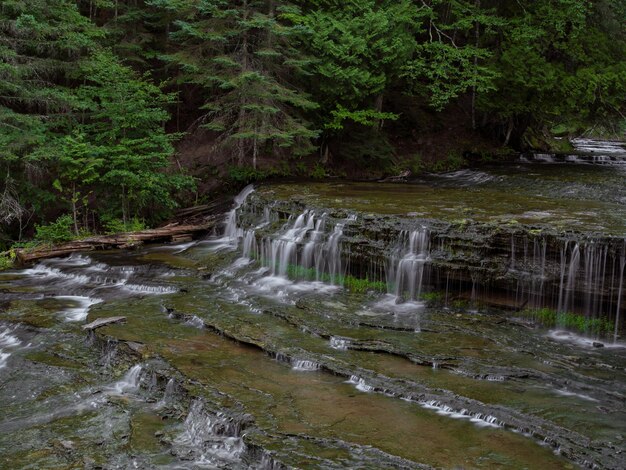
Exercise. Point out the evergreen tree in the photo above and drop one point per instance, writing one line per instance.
(41, 43)
(361, 51)
(557, 62)
(238, 54)
(124, 118)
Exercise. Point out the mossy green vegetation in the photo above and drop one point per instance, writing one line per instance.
(56, 232)
(7, 260)
(573, 321)
(351, 283)
(433, 297)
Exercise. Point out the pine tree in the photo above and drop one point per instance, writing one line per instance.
(42, 42)
(238, 54)
(361, 51)
(124, 117)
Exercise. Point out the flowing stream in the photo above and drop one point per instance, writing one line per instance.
(337, 325)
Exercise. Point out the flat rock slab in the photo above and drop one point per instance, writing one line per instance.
(103, 322)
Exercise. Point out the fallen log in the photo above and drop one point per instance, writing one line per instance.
(172, 232)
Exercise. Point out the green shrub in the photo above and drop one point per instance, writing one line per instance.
(7, 260)
(363, 285)
(416, 165)
(351, 283)
(245, 174)
(572, 321)
(114, 225)
(318, 172)
(432, 296)
(57, 232)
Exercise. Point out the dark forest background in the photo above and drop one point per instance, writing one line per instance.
(115, 112)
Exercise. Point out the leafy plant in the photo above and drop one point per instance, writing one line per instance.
(318, 172)
(58, 231)
(584, 324)
(7, 260)
(245, 174)
(114, 225)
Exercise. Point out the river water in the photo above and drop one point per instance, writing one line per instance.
(336, 326)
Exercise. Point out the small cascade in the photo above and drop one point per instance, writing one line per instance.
(568, 277)
(148, 289)
(249, 244)
(169, 395)
(214, 439)
(232, 231)
(406, 267)
(85, 283)
(80, 311)
(302, 249)
(130, 382)
(305, 365)
(600, 151)
(568, 294)
(479, 419)
(341, 344)
(588, 151)
(7, 341)
(69, 279)
(282, 251)
(622, 262)
(360, 384)
(195, 321)
(170, 390)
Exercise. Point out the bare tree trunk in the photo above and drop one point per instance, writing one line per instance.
(326, 154)
(509, 131)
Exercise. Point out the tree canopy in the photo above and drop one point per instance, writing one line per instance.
(94, 94)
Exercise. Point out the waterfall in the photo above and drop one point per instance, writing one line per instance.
(7, 340)
(405, 273)
(213, 438)
(283, 249)
(81, 310)
(232, 231)
(130, 382)
(622, 262)
(541, 270)
(301, 249)
(567, 285)
(341, 344)
(305, 365)
(360, 384)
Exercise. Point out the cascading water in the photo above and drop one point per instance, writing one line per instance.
(232, 231)
(588, 151)
(214, 440)
(622, 263)
(483, 366)
(541, 271)
(406, 267)
(130, 382)
(7, 342)
(302, 249)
